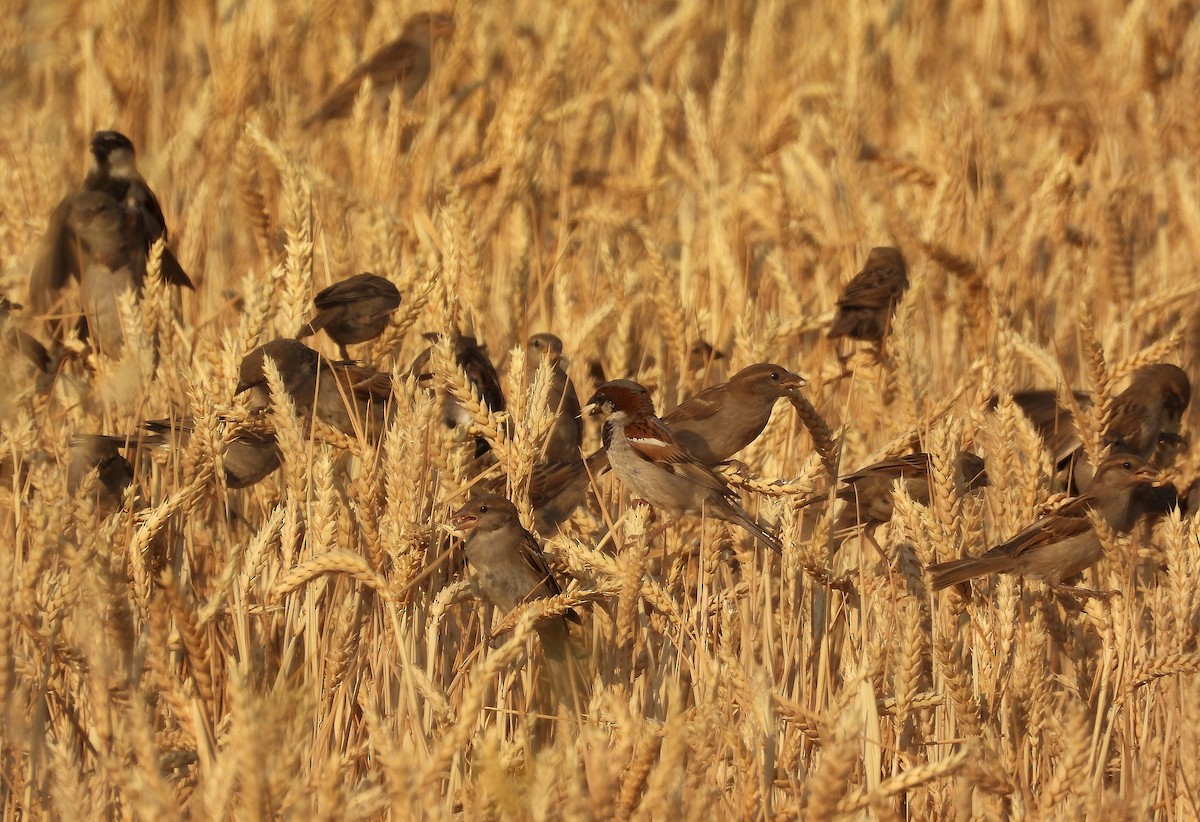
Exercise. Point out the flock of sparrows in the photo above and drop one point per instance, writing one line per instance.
(101, 235)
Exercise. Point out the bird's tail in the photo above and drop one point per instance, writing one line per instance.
(945, 574)
(312, 326)
(735, 514)
(562, 669)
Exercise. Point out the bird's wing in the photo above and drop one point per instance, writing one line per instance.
(57, 259)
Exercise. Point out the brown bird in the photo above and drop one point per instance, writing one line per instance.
(712, 426)
(509, 567)
(722, 420)
(1054, 423)
(868, 491)
(1063, 543)
(249, 458)
(864, 310)
(1145, 416)
(404, 62)
(113, 173)
(354, 310)
(473, 359)
(566, 436)
(1149, 411)
(702, 356)
(103, 454)
(652, 464)
(352, 398)
(112, 262)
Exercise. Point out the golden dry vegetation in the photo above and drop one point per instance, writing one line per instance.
(628, 175)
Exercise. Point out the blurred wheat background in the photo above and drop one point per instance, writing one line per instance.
(630, 176)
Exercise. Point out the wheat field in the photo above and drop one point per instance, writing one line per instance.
(631, 176)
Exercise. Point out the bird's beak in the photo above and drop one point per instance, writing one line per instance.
(1149, 474)
(794, 382)
(590, 410)
(464, 521)
(243, 387)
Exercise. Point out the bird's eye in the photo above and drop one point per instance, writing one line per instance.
(483, 509)
(775, 376)
(1127, 465)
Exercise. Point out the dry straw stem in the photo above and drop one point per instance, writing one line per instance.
(627, 182)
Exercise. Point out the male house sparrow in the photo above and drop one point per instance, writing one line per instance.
(1063, 543)
(712, 426)
(865, 307)
(352, 398)
(404, 62)
(473, 359)
(353, 310)
(113, 173)
(650, 461)
(509, 566)
(566, 437)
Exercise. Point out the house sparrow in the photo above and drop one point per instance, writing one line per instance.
(353, 399)
(1054, 423)
(1149, 410)
(722, 420)
(864, 310)
(473, 360)
(1144, 416)
(655, 467)
(19, 339)
(509, 566)
(113, 173)
(111, 262)
(96, 451)
(868, 491)
(249, 457)
(712, 426)
(566, 437)
(702, 356)
(354, 310)
(405, 62)
(1063, 543)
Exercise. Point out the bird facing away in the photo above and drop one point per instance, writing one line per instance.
(864, 310)
(102, 453)
(353, 310)
(1149, 411)
(353, 399)
(1063, 543)
(472, 358)
(651, 463)
(566, 436)
(249, 457)
(113, 173)
(404, 62)
(868, 492)
(509, 567)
